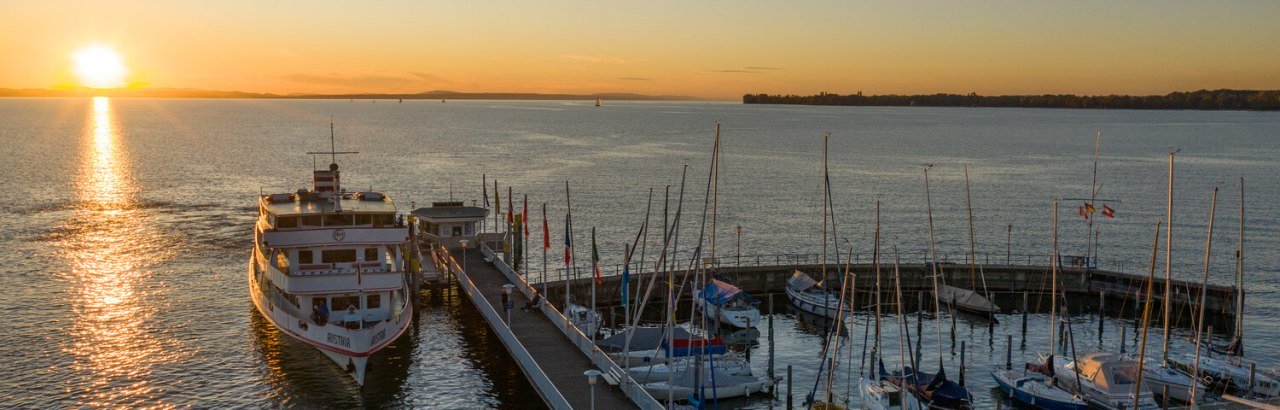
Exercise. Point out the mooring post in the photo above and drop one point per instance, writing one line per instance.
(1008, 352)
(1024, 315)
(1164, 395)
(962, 349)
(953, 324)
(771, 337)
(1122, 341)
(1253, 369)
(789, 396)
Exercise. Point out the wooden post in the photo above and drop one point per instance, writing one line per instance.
(1122, 341)
(962, 349)
(771, 336)
(1024, 315)
(1008, 352)
(789, 395)
(1253, 371)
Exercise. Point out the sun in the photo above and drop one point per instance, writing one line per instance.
(99, 67)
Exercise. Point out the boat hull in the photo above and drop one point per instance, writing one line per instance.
(1034, 390)
(659, 390)
(814, 303)
(739, 318)
(348, 349)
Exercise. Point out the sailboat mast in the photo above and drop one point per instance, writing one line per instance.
(825, 187)
(1146, 313)
(1204, 285)
(1168, 263)
(1240, 273)
(876, 262)
(933, 262)
(973, 247)
(1053, 280)
(1093, 196)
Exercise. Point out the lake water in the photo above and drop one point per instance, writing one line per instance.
(129, 224)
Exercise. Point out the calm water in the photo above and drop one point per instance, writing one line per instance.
(129, 223)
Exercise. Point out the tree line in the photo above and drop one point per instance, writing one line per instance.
(1264, 100)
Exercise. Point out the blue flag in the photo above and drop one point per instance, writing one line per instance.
(626, 276)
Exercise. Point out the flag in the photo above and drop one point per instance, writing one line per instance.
(1108, 212)
(595, 256)
(568, 242)
(484, 186)
(510, 206)
(626, 273)
(1088, 207)
(524, 217)
(546, 234)
(1083, 213)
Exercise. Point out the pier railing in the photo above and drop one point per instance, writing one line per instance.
(545, 387)
(681, 260)
(598, 357)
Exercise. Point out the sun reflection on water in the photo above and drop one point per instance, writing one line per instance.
(112, 252)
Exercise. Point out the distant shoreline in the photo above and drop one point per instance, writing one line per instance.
(1218, 100)
(430, 95)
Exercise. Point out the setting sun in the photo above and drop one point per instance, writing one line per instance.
(99, 67)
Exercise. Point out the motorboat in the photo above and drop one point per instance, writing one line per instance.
(1106, 380)
(882, 395)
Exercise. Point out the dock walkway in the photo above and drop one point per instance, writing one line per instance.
(551, 351)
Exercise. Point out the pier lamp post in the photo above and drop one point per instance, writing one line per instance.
(464, 243)
(739, 246)
(592, 375)
(507, 304)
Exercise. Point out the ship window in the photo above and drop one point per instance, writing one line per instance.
(362, 219)
(286, 222)
(383, 219)
(338, 255)
(373, 301)
(340, 303)
(371, 254)
(305, 257)
(311, 220)
(337, 220)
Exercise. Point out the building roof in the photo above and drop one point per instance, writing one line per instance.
(437, 213)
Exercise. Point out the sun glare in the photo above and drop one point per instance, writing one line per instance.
(99, 67)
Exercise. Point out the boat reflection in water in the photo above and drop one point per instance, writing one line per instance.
(111, 250)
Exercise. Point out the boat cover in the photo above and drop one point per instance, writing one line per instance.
(643, 338)
(799, 281)
(941, 392)
(1045, 368)
(718, 291)
(691, 346)
(965, 299)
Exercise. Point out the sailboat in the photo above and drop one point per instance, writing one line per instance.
(1164, 380)
(599, 102)
(1033, 384)
(967, 300)
(1230, 372)
(876, 392)
(803, 291)
(933, 389)
(728, 304)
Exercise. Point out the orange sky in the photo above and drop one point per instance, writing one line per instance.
(719, 49)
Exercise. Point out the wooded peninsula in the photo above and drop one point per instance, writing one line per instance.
(1264, 100)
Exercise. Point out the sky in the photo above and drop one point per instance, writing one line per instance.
(705, 49)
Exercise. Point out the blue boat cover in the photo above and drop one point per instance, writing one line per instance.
(719, 291)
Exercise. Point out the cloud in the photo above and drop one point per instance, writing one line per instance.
(594, 59)
(734, 71)
(635, 79)
(764, 68)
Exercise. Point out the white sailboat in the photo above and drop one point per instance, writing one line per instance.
(328, 269)
(968, 300)
(806, 294)
(728, 304)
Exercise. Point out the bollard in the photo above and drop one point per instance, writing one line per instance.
(1008, 353)
(962, 349)
(789, 396)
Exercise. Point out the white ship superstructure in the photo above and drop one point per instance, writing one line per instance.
(328, 269)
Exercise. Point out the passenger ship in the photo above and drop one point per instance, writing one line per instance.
(328, 269)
